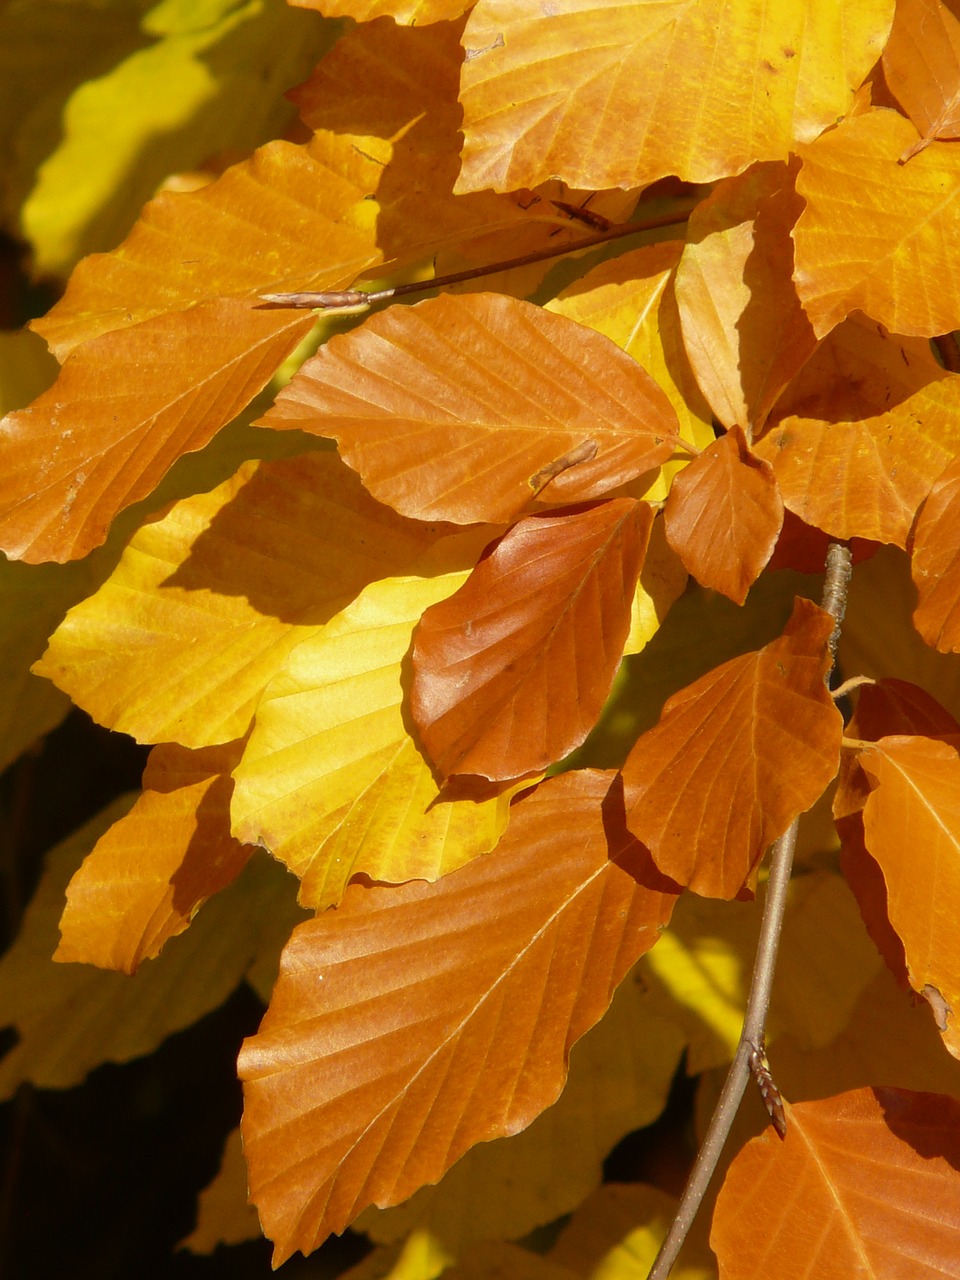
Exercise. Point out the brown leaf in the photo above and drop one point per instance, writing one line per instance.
(935, 564)
(449, 409)
(413, 1022)
(866, 1184)
(723, 516)
(735, 758)
(512, 670)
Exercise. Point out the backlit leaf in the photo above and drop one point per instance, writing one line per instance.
(912, 827)
(511, 672)
(866, 1184)
(407, 11)
(331, 781)
(501, 965)
(744, 329)
(862, 433)
(553, 93)
(151, 872)
(876, 235)
(463, 408)
(921, 65)
(209, 599)
(735, 758)
(723, 516)
(935, 563)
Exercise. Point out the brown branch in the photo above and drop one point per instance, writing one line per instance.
(750, 1051)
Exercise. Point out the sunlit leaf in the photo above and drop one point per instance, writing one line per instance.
(207, 601)
(921, 65)
(511, 672)
(147, 876)
(331, 781)
(912, 828)
(735, 758)
(862, 432)
(410, 11)
(501, 965)
(744, 328)
(723, 516)
(876, 235)
(549, 94)
(466, 408)
(935, 563)
(866, 1184)
(663, 580)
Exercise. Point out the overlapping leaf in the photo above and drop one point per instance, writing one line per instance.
(935, 563)
(511, 672)
(735, 758)
(408, 11)
(744, 328)
(417, 1021)
(466, 408)
(723, 516)
(876, 235)
(866, 1184)
(147, 876)
(331, 781)
(207, 601)
(862, 433)
(553, 94)
(921, 65)
(911, 825)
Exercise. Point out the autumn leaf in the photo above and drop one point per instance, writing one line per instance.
(477, 1047)
(862, 432)
(858, 1177)
(935, 563)
(921, 65)
(723, 516)
(551, 94)
(460, 430)
(147, 876)
(915, 804)
(744, 328)
(735, 758)
(876, 235)
(405, 11)
(511, 672)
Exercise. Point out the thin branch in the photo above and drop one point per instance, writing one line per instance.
(750, 1049)
(351, 300)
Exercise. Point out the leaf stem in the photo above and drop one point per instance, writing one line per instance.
(358, 300)
(834, 601)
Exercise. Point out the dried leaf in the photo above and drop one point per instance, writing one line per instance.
(356, 1096)
(723, 516)
(448, 410)
(935, 563)
(921, 65)
(511, 672)
(735, 758)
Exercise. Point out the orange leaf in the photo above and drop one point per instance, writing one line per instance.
(723, 516)
(461, 408)
(935, 566)
(552, 92)
(877, 235)
(866, 1184)
(912, 827)
(511, 671)
(921, 65)
(149, 874)
(735, 758)
(407, 11)
(862, 432)
(414, 1022)
(125, 407)
(743, 325)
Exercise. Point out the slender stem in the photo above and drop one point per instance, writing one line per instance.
(834, 600)
(358, 300)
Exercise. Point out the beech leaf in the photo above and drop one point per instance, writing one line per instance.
(735, 758)
(416, 1021)
(550, 94)
(511, 672)
(921, 66)
(865, 1184)
(935, 563)
(473, 427)
(915, 806)
(724, 514)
